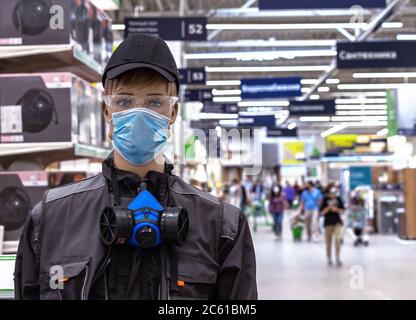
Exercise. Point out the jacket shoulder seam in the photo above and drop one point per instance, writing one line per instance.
(74, 188)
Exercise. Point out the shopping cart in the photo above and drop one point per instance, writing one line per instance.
(297, 225)
(257, 211)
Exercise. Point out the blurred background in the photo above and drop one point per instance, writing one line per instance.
(289, 110)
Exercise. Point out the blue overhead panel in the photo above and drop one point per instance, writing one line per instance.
(376, 54)
(170, 29)
(270, 88)
(318, 4)
(282, 133)
(312, 108)
(198, 95)
(192, 76)
(257, 121)
(226, 108)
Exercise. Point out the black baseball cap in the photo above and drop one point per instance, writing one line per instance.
(141, 50)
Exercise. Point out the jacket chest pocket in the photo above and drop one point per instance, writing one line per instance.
(66, 281)
(196, 278)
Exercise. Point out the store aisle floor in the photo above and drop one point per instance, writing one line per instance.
(289, 270)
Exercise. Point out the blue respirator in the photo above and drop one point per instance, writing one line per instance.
(145, 223)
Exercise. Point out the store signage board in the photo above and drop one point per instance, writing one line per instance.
(200, 95)
(257, 121)
(312, 108)
(270, 88)
(376, 54)
(360, 177)
(204, 124)
(192, 76)
(169, 28)
(212, 107)
(318, 4)
(282, 133)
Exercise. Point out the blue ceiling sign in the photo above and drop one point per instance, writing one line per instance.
(192, 76)
(312, 108)
(376, 54)
(199, 95)
(170, 29)
(212, 107)
(257, 121)
(318, 4)
(281, 133)
(270, 88)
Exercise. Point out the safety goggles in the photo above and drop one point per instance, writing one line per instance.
(157, 103)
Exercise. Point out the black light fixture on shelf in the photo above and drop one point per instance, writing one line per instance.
(31, 17)
(15, 207)
(38, 108)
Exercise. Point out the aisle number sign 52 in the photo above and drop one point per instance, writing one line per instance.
(169, 28)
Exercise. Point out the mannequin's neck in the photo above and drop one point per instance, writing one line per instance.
(157, 165)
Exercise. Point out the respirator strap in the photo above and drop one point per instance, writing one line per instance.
(115, 187)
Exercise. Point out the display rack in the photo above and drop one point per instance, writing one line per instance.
(50, 58)
(49, 152)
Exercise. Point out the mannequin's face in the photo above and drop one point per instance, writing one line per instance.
(140, 88)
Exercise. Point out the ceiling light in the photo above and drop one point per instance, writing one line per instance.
(223, 83)
(265, 43)
(314, 119)
(315, 97)
(383, 132)
(373, 86)
(204, 115)
(406, 37)
(332, 81)
(292, 125)
(226, 99)
(361, 107)
(118, 26)
(334, 129)
(260, 55)
(264, 103)
(362, 113)
(323, 89)
(358, 118)
(384, 75)
(360, 94)
(392, 25)
(297, 26)
(108, 5)
(361, 100)
(268, 69)
(217, 92)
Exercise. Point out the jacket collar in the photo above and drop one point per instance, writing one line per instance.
(157, 182)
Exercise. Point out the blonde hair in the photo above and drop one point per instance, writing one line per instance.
(144, 76)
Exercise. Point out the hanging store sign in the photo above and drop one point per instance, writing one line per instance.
(318, 4)
(312, 108)
(270, 88)
(192, 76)
(198, 95)
(281, 133)
(212, 107)
(360, 177)
(376, 54)
(169, 29)
(293, 153)
(257, 121)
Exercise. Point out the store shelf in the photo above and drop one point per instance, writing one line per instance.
(46, 153)
(50, 58)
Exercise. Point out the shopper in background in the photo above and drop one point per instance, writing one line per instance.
(332, 208)
(277, 205)
(235, 193)
(310, 203)
(290, 193)
(215, 261)
(257, 190)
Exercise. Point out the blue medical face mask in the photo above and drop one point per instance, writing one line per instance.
(140, 135)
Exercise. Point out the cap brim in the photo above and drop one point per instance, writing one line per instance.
(116, 71)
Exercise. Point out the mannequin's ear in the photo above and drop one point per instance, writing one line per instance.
(174, 113)
(106, 112)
